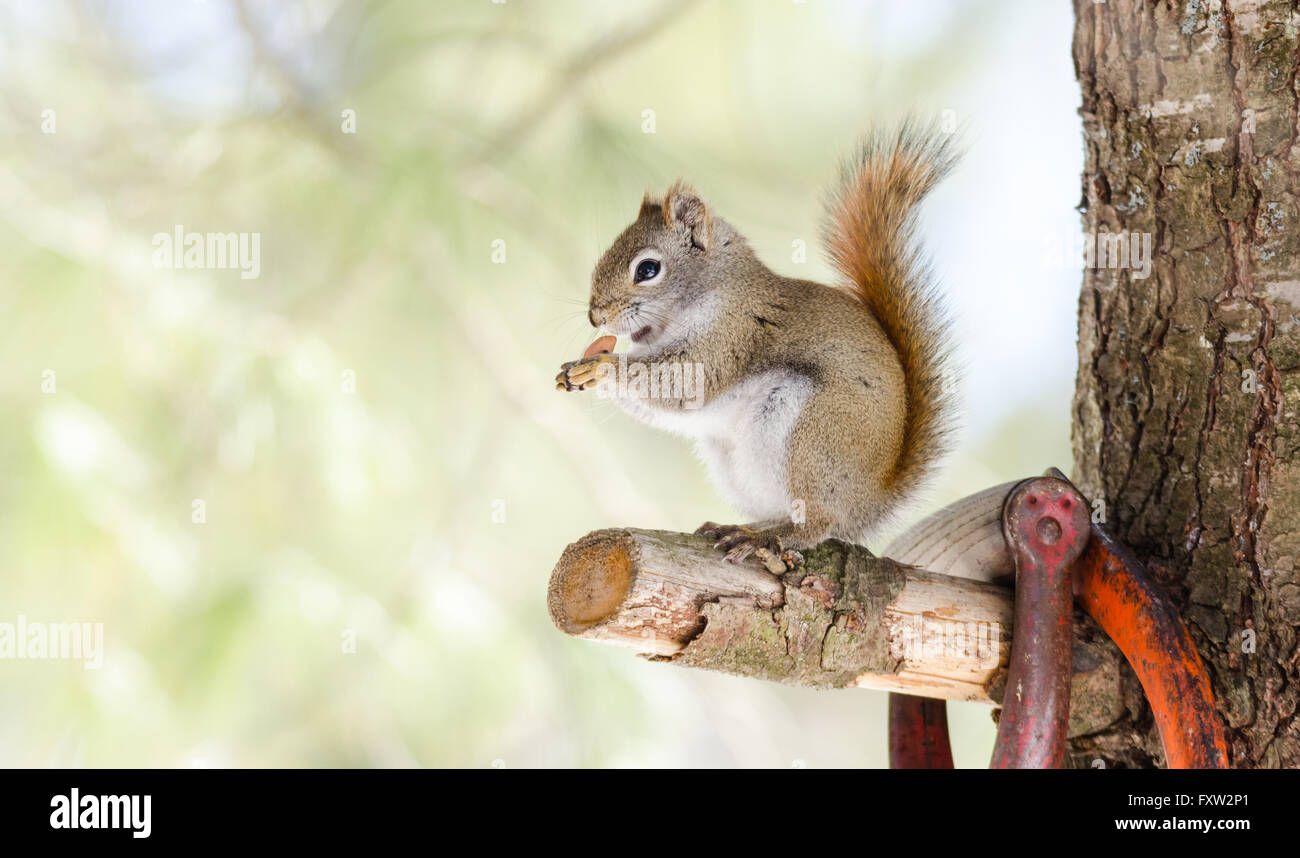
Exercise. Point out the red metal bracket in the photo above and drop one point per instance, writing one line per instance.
(918, 733)
(1056, 550)
(1045, 524)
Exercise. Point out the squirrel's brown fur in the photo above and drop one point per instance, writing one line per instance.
(817, 409)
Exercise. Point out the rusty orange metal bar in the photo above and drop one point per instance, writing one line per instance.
(1114, 589)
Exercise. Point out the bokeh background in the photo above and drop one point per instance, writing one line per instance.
(422, 510)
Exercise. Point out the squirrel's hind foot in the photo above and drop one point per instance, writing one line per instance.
(740, 541)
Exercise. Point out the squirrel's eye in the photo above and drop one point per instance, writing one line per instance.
(646, 269)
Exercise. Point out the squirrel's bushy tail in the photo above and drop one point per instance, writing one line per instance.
(869, 235)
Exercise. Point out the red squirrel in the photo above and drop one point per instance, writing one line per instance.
(817, 410)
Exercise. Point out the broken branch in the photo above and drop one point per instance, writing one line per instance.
(844, 619)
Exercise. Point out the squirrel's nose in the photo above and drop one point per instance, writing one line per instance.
(595, 320)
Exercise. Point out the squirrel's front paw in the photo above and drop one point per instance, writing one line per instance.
(585, 373)
(740, 541)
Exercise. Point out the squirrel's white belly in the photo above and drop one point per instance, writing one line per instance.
(743, 437)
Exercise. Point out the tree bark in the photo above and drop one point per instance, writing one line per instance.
(1185, 411)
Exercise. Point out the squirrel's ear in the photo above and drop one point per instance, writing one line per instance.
(686, 212)
(649, 206)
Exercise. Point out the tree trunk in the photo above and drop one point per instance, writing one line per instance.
(1187, 393)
